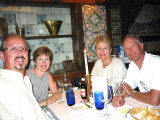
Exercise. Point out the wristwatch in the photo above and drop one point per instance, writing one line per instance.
(132, 93)
(46, 102)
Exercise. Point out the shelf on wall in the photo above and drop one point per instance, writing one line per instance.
(47, 37)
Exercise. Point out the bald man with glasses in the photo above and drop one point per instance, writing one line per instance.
(17, 101)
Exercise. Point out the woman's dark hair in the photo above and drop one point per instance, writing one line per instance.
(43, 51)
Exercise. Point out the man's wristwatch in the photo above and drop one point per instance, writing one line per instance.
(132, 93)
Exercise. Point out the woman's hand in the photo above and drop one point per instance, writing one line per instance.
(43, 103)
(118, 101)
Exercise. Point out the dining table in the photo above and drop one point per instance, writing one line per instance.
(65, 112)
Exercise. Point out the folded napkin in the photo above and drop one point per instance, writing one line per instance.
(100, 84)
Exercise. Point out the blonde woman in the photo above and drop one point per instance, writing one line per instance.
(111, 67)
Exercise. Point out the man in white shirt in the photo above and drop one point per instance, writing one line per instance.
(143, 72)
(16, 98)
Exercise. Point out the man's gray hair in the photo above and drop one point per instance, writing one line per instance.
(139, 40)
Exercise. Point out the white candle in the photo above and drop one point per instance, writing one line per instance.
(86, 63)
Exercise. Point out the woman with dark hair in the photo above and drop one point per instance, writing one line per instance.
(42, 80)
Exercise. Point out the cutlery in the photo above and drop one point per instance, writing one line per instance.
(125, 116)
(86, 104)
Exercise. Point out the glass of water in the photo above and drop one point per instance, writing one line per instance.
(60, 89)
(106, 100)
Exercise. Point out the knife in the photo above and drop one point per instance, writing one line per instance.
(86, 104)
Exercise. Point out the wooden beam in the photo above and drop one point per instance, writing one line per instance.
(108, 21)
(83, 1)
(40, 0)
(80, 35)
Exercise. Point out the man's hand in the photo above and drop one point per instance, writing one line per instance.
(118, 101)
(128, 89)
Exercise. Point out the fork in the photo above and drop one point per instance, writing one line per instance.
(125, 116)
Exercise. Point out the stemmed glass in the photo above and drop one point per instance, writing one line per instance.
(60, 89)
(106, 100)
(120, 92)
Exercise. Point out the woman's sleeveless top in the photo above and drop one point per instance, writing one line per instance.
(39, 84)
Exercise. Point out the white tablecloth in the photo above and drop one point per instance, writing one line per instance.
(65, 112)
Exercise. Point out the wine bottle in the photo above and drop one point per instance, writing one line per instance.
(83, 89)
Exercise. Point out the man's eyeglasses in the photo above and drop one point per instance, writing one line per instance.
(14, 49)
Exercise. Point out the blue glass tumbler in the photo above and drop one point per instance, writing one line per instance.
(99, 105)
(70, 97)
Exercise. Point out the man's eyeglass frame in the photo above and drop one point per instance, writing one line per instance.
(17, 48)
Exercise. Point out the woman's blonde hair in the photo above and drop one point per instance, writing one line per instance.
(102, 38)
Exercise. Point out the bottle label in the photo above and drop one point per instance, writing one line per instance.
(83, 93)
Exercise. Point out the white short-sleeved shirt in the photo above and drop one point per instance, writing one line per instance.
(146, 78)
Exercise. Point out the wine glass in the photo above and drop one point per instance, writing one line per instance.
(120, 92)
(66, 82)
(106, 100)
(60, 89)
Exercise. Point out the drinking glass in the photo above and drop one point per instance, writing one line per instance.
(70, 97)
(120, 92)
(98, 104)
(60, 89)
(91, 98)
(106, 100)
(66, 82)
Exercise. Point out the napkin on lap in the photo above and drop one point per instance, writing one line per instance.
(100, 84)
